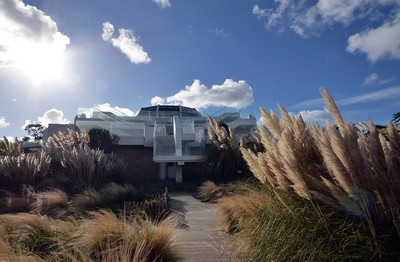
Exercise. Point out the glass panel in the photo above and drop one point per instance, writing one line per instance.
(163, 143)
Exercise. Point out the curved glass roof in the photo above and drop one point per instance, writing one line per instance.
(168, 110)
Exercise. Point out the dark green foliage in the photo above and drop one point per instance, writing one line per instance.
(35, 130)
(224, 158)
(396, 118)
(225, 164)
(40, 241)
(102, 139)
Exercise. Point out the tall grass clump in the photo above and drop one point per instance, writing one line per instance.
(337, 171)
(34, 238)
(208, 191)
(224, 159)
(24, 169)
(60, 141)
(90, 168)
(211, 192)
(103, 236)
(107, 237)
(53, 203)
(10, 148)
(272, 226)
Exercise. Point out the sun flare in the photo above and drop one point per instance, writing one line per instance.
(41, 62)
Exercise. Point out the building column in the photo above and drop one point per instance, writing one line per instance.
(178, 173)
(163, 170)
(177, 135)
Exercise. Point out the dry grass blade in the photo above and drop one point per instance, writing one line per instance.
(51, 203)
(110, 238)
(293, 169)
(10, 148)
(90, 199)
(332, 161)
(208, 191)
(25, 169)
(251, 160)
(271, 121)
(103, 227)
(286, 118)
(235, 210)
(333, 109)
(343, 168)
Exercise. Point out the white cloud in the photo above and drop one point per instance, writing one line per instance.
(52, 116)
(125, 111)
(341, 11)
(260, 13)
(315, 115)
(25, 31)
(310, 103)
(372, 96)
(3, 122)
(189, 29)
(382, 42)
(157, 101)
(387, 93)
(308, 18)
(126, 42)
(163, 3)
(219, 32)
(108, 31)
(26, 122)
(371, 79)
(385, 81)
(119, 111)
(230, 94)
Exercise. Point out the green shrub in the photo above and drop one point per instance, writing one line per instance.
(102, 139)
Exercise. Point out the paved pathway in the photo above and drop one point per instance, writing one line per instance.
(200, 239)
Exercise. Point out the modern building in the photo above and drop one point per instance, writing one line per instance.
(176, 135)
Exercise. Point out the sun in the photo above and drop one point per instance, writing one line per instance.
(41, 62)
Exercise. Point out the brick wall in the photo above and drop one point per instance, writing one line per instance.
(141, 167)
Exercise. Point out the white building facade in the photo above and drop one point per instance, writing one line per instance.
(176, 134)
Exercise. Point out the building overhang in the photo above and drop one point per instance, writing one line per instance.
(163, 159)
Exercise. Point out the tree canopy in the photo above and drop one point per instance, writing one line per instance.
(102, 139)
(396, 118)
(35, 130)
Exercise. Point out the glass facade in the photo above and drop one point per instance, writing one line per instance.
(176, 133)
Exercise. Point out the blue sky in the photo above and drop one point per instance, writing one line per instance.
(58, 55)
